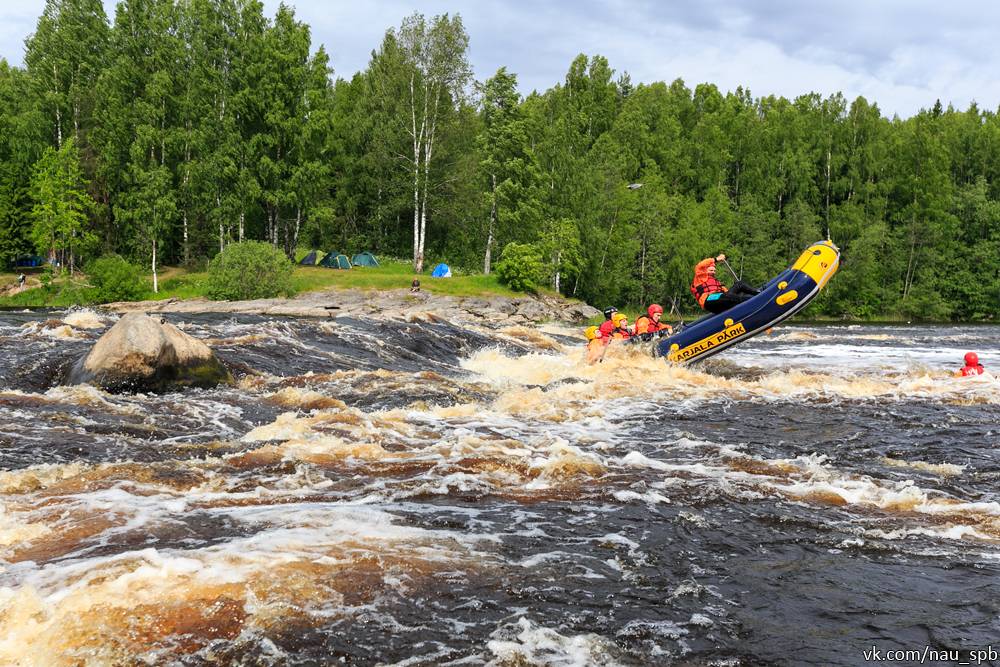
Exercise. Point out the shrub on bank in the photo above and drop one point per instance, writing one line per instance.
(520, 267)
(115, 279)
(249, 270)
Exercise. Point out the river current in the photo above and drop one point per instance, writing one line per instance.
(423, 494)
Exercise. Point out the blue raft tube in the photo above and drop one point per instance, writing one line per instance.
(782, 297)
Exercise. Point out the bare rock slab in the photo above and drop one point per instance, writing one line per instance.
(140, 353)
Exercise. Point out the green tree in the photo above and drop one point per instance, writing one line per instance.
(250, 270)
(521, 267)
(115, 279)
(59, 214)
(64, 57)
(22, 141)
(507, 164)
(560, 248)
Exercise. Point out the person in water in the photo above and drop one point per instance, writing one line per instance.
(607, 327)
(972, 366)
(621, 329)
(650, 323)
(595, 344)
(711, 294)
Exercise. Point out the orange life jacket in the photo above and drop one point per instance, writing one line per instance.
(620, 334)
(704, 283)
(595, 350)
(645, 324)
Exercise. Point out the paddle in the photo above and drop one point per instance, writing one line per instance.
(735, 277)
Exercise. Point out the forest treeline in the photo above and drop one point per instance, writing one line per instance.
(180, 127)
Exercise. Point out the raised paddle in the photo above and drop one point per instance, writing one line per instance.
(735, 277)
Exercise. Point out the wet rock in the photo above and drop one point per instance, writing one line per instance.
(488, 311)
(476, 305)
(534, 311)
(502, 305)
(140, 353)
(581, 312)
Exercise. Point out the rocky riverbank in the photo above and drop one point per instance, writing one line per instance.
(489, 311)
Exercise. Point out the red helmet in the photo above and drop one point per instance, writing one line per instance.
(971, 359)
(655, 308)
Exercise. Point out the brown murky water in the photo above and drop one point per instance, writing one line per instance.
(423, 494)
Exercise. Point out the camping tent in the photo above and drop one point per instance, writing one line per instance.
(313, 258)
(28, 262)
(364, 259)
(441, 271)
(336, 261)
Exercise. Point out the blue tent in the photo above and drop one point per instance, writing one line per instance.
(29, 262)
(441, 271)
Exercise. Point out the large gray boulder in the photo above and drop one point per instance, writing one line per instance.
(140, 353)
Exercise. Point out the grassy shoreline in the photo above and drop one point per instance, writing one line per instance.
(183, 284)
(179, 283)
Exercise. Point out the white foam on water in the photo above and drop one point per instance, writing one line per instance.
(524, 642)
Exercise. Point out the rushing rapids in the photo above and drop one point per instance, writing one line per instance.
(420, 493)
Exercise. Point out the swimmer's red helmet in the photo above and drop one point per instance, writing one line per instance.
(971, 359)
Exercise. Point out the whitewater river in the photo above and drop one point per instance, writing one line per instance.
(419, 494)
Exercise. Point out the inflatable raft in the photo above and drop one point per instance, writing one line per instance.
(782, 297)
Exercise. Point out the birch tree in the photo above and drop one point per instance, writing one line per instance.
(64, 57)
(438, 72)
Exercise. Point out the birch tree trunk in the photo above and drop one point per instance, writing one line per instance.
(493, 219)
(828, 157)
(184, 215)
(156, 285)
(558, 272)
(222, 238)
(431, 92)
(55, 77)
(417, 141)
(298, 225)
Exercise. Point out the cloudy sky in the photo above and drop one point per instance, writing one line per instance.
(901, 54)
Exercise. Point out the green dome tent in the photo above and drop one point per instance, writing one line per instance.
(336, 261)
(364, 259)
